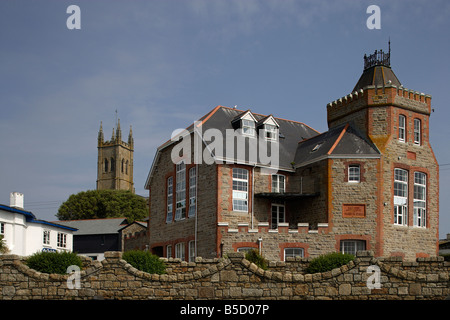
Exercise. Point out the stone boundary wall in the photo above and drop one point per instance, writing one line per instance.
(231, 278)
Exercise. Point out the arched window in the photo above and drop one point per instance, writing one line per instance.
(106, 165)
(126, 167)
(123, 164)
(113, 167)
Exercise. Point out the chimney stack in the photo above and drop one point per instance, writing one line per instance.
(16, 200)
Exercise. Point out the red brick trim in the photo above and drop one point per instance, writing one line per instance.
(362, 170)
(247, 244)
(422, 255)
(338, 139)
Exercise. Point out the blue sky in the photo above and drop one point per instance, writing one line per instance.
(163, 64)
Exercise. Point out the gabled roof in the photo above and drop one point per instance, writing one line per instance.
(96, 226)
(339, 142)
(142, 224)
(268, 120)
(244, 115)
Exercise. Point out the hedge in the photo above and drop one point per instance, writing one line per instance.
(53, 262)
(254, 256)
(328, 262)
(144, 261)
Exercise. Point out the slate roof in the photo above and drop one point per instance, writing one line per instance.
(95, 226)
(377, 76)
(296, 140)
(290, 132)
(341, 141)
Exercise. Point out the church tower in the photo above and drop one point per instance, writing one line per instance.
(115, 161)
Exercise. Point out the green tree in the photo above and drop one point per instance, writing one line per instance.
(3, 247)
(98, 204)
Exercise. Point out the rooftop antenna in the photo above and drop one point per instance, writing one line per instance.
(389, 46)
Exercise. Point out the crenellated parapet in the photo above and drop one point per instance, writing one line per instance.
(376, 96)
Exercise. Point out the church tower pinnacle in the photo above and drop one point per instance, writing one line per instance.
(115, 161)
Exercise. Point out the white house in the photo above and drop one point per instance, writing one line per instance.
(24, 234)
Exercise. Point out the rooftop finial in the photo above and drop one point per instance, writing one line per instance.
(378, 58)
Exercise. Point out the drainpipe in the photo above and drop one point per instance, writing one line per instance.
(196, 210)
(260, 244)
(253, 191)
(301, 185)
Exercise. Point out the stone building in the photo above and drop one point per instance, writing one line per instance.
(369, 183)
(115, 161)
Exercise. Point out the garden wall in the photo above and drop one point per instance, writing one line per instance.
(231, 278)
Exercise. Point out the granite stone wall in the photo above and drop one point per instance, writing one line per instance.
(232, 277)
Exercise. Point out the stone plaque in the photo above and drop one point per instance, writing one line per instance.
(354, 211)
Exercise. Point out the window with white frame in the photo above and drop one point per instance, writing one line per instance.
(61, 240)
(354, 173)
(402, 128)
(248, 127)
(192, 191)
(417, 131)
(293, 253)
(400, 197)
(169, 251)
(278, 183)
(278, 215)
(180, 251)
(352, 246)
(2, 228)
(169, 215)
(420, 199)
(180, 210)
(191, 251)
(240, 189)
(270, 132)
(46, 237)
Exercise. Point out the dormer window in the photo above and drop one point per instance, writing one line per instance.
(268, 127)
(248, 127)
(246, 123)
(270, 132)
